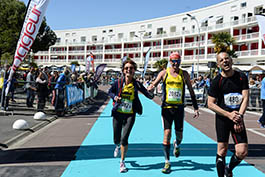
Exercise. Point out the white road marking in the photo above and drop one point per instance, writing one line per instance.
(207, 110)
(189, 110)
(256, 132)
(255, 113)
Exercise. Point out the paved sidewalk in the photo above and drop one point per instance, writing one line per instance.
(19, 110)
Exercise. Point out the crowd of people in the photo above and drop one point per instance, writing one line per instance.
(44, 85)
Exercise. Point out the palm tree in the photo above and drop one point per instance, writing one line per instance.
(75, 63)
(223, 41)
(161, 64)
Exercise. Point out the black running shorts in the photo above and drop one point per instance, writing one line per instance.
(173, 114)
(223, 128)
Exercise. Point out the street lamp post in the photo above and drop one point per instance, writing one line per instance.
(142, 45)
(199, 37)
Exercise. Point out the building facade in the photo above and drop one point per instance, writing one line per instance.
(188, 33)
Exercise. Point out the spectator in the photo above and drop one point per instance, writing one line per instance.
(252, 83)
(5, 100)
(261, 120)
(201, 82)
(42, 91)
(59, 92)
(30, 86)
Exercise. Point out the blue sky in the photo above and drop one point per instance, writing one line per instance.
(72, 14)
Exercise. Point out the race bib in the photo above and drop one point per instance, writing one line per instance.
(233, 100)
(125, 106)
(174, 94)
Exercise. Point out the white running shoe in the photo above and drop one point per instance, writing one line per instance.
(123, 168)
(116, 151)
(176, 149)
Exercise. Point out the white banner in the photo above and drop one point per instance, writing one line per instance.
(32, 23)
(261, 21)
(147, 56)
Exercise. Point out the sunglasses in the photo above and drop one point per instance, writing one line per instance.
(176, 61)
(126, 68)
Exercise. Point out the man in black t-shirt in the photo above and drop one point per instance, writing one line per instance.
(228, 98)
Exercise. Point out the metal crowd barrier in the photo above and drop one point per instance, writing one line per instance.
(74, 94)
(255, 104)
(254, 99)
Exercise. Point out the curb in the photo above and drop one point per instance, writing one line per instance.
(27, 132)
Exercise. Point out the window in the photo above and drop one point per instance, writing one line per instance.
(120, 35)
(149, 26)
(83, 39)
(111, 30)
(233, 8)
(183, 28)
(234, 18)
(204, 24)
(185, 19)
(73, 34)
(259, 10)
(173, 29)
(104, 31)
(94, 38)
(243, 5)
(219, 20)
(66, 40)
(67, 34)
(159, 31)
(132, 34)
(74, 40)
(142, 27)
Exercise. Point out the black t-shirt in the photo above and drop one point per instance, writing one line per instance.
(228, 90)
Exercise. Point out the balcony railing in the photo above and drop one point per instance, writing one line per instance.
(247, 36)
(96, 51)
(194, 44)
(112, 50)
(132, 49)
(113, 60)
(247, 53)
(43, 52)
(172, 46)
(98, 60)
(58, 52)
(76, 51)
(263, 52)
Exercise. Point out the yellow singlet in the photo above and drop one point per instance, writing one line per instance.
(127, 97)
(174, 88)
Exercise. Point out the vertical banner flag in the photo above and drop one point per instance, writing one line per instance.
(124, 59)
(90, 59)
(73, 66)
(147, 56)
(261, 21)
(192, 71)
(31, 25)
(99, 70)
(88, 64)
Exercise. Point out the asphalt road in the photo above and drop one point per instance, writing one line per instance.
(48, 151)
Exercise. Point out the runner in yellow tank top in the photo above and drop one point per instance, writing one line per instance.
(174, 81)
(174, 89)
(127, 97)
